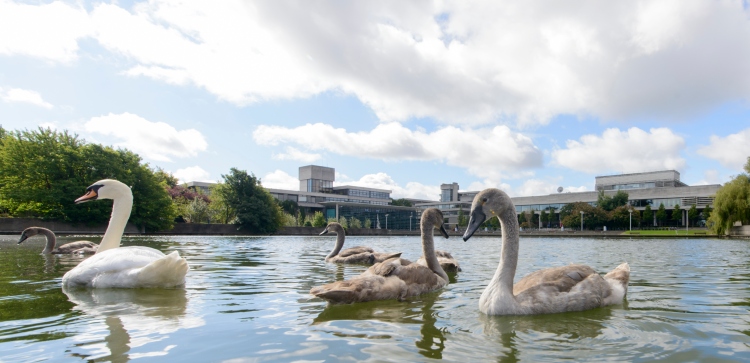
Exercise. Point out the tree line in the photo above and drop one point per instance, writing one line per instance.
(43, 171)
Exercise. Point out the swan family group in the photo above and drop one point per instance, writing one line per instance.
(552, 290)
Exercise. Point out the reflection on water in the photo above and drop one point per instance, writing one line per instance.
(133, 318)
(247, 300)
(416, 312)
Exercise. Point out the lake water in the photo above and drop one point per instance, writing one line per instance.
(246, 300)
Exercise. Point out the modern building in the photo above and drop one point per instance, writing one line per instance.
(649, 188)
(317, 193)
(203, 187)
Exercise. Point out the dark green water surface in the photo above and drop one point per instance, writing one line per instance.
(246, 300)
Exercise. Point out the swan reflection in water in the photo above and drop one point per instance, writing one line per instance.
(560, 328)
(134, 319)
(419, 311)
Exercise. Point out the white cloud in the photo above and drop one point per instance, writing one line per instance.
(152, 140)
(731, 151)
(192, 173)
(18, 95)
(460, 62)
(47, 31)
(280, 180)
(484, 152)
(384, 181)
(295, 154)
(710, 176)
(630, 151)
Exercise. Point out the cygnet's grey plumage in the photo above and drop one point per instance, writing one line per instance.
(84, 247)
(358, 254)
(393, 279)
(447, 262)
(553, 290)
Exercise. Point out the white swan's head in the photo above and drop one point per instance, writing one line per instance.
(333, 227)
(488, 203)
(105, 189)
(433, 217)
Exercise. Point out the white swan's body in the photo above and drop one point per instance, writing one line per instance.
(123, 267)
(553, 290)
(394, 278)
(357, 254)
(77, 247)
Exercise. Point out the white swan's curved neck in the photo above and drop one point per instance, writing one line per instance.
(428, 249)
(339, 244)
(120, 214)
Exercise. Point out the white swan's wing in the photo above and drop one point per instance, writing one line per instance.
(121, 267)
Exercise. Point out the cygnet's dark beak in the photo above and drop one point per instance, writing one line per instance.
(443, 231)
(476, 218)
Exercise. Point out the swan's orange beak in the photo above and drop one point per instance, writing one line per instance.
(90, 195)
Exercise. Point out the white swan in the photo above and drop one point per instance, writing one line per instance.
(123, 267)
(83, 247)
(357, 254)
(393, 279)
(553, 290)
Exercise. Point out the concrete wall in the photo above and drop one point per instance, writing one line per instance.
(17, 225)
(740, 231)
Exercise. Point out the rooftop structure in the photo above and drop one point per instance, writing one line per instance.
(653, 179)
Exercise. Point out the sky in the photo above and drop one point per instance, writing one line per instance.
(524, 96)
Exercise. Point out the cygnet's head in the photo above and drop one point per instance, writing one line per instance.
(334, 227)
(488, 203)
(434, 217)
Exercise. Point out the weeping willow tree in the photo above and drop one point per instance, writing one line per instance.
(732, 203)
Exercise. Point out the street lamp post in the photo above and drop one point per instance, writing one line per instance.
(631, 219)
(386, 221)
(581, 221)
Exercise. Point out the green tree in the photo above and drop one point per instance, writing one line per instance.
(257, 211)
(402, 202)
(354, 223)
(318, 220)
(289, 220)
(222, 211)
(648, 216)
(163, 176)
(610, 203)
(544, 218)
(522, 220)
(692, 214)
(344, 223)
(463, 221)
(594, 217)
(707, 212)
(289, 206)
(620, 217)
(661, 214)
(368, 223)
(731, 204)
(677, 214)
(43, 171)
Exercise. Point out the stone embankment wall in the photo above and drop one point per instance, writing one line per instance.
(17, 225)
